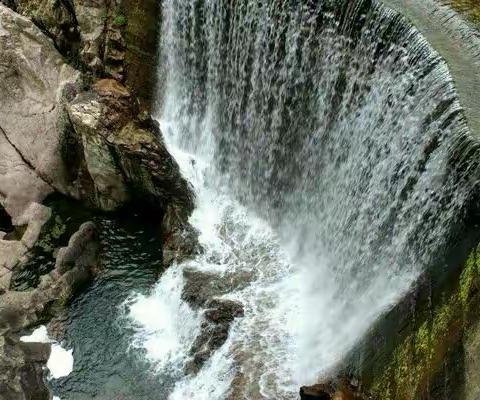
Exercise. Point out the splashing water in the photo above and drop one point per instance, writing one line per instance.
(320, 140)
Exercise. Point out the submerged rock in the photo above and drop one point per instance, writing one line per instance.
(218, 317)
(202, 287)
(82, 250)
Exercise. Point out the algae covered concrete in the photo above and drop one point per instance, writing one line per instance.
(142, 25)
(438, 358)
(468, 8)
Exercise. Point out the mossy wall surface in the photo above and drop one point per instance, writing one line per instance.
(142, 25)
(433, 360)
(469, 8)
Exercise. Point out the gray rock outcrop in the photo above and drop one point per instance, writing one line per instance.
(33, 77)
(21, 369)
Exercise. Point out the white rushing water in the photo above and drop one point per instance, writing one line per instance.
(319, 153)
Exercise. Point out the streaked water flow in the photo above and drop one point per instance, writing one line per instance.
(321, 139)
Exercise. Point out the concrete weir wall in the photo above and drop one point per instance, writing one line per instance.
(456, 40)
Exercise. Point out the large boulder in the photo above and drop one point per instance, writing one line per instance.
(33, 78)
(81, 252)
(125, 159)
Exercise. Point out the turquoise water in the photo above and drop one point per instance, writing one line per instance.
(104, 367)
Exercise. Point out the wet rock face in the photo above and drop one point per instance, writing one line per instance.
(180, 241)
(141, 39)
(21, 364)
(21, 369)
(126, 160)
(218, 318)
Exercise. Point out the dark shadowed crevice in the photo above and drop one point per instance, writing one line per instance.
(5, 221)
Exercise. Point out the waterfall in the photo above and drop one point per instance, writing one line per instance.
(330, 157)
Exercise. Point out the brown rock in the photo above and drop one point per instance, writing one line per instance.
(317, 392)
(126, 160)
(218, 318)
(21, 369)
(82, 250)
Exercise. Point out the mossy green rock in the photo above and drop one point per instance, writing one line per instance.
(438, 355)
(142, 38)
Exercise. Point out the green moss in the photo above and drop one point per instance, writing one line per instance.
(470, 277)
(120, 20)
(469, 8)
(54, 230)
(415, 362)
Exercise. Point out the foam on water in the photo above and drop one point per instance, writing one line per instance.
(165, 325)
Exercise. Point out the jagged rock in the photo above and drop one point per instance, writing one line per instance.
(80, 29)
(88, 117)
(14, 252)
(91, 17)
(218, 318)
(55, 17)
(126, 159)
(32, 79)
(76, 265)
(21, 364)
(21, 369)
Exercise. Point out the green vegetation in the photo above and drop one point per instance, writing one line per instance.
(120, 20)
(422, 354)
(469, 8)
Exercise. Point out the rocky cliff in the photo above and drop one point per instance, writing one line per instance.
(76, 84)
